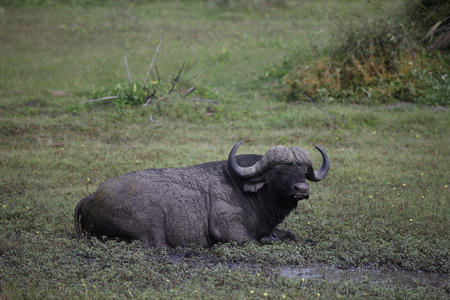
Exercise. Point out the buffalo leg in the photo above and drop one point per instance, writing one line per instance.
(153, 230)
(150, 241)
(279, 235)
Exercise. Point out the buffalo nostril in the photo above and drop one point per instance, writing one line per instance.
(302, 188)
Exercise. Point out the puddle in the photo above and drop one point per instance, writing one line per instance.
(385, 276)
(315, 272)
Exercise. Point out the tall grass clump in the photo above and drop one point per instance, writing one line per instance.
(380, 61)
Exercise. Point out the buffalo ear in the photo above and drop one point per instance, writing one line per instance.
(255, 184)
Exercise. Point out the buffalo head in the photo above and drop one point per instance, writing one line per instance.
(289, 167)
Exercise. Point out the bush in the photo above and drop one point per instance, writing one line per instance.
(374, 62)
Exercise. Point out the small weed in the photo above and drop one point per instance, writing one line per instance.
(129, 94)
(142, 93)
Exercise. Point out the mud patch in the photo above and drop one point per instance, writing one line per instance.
(389, 276)
(385, 276)
(332, 274)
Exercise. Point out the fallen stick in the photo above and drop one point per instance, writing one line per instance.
(151, 117)
(100, 99)
(203, 100)
(189, 91)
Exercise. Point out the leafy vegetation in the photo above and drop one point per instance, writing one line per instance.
(378, 61)
(142, 93)
(384, 204)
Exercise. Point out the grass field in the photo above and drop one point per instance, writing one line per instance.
(385, 203)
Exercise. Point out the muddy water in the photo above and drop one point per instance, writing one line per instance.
(329, 273)
(386, 276)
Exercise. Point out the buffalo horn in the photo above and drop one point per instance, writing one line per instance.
(275, 155)
(323, 170)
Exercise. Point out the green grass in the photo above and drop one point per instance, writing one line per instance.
(384, 204)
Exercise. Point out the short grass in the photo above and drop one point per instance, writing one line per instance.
(384, 204)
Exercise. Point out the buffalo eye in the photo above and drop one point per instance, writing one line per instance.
(282, 171)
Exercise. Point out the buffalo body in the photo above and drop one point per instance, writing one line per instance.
(243, 198)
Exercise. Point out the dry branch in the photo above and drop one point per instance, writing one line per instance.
(153, 59)
(126, 64)
(189, 91)
(203, 100)
(100, 99)
(175, 81)
(316, 105)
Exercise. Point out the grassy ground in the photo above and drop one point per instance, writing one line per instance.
(384, 204)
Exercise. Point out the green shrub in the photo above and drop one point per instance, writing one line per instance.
(129, 93)
(379, 61)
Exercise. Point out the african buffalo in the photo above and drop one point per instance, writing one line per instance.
(243, 198)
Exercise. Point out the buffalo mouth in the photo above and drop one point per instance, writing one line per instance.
(299, 196)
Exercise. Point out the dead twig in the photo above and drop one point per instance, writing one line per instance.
(175, 81)
(315, 104)
(157, 74)
(151, 118)
(101, 99)
(203, 100)
(189, 79)
(189, 91)
(150, 95)
(126, 64)
(153, 60)
(149, 101)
